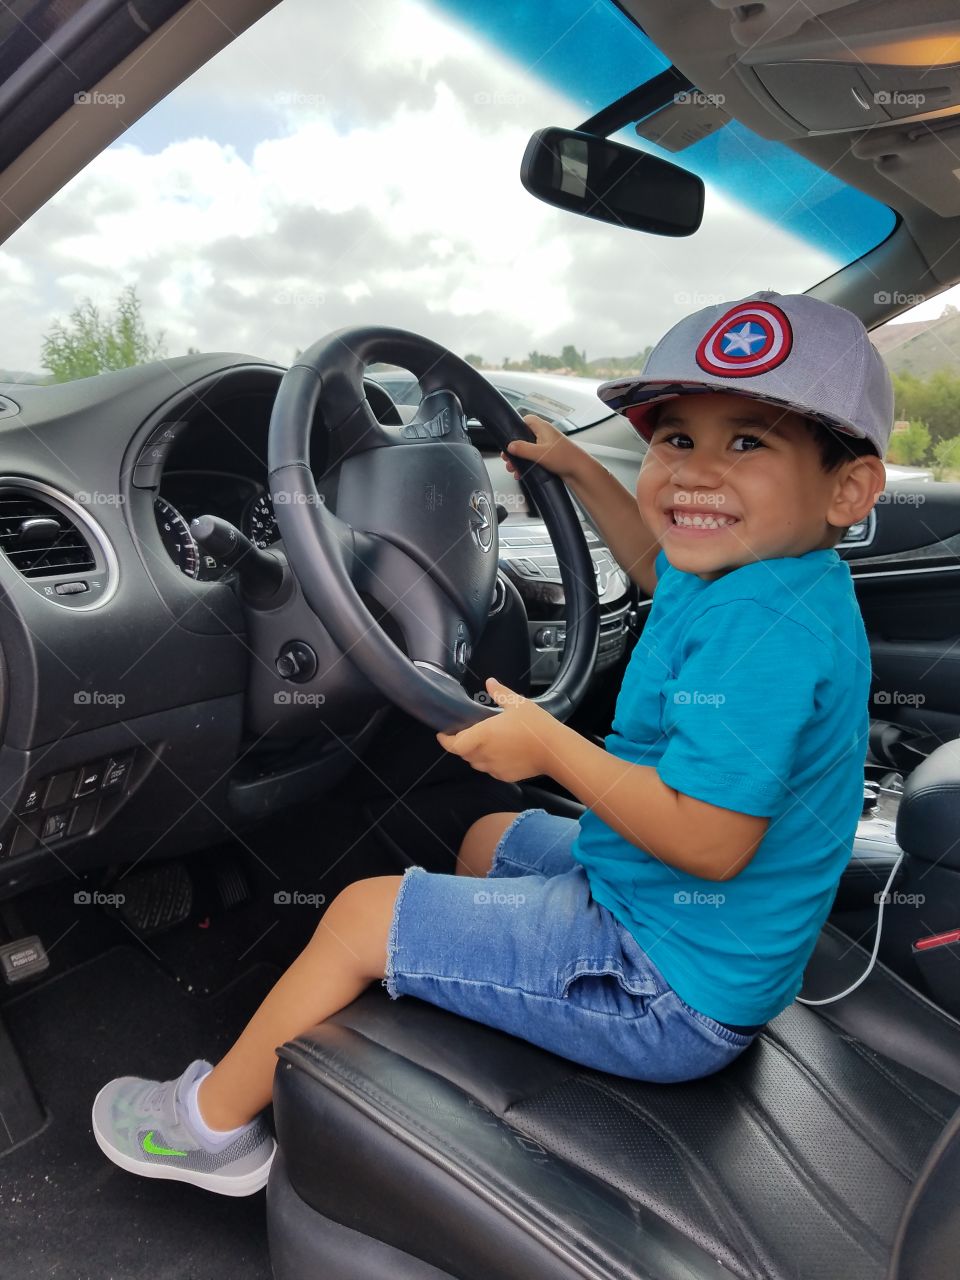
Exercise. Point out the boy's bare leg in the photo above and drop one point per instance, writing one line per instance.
(479, 843)
(346, 953)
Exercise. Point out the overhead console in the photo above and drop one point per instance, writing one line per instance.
(888, 69)
(892, 69)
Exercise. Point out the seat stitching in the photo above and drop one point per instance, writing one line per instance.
(821, 1085)
(847, 1223)
(874, 1059)
(732, 1221)
(845, 1219)
(417, 1124)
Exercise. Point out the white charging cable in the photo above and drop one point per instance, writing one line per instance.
(876, 945)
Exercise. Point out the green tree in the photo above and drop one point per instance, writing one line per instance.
(90, 343)
(539, 360)
(571, 358)
(946, 455)
(909, 448)
(474, 359)
(934, 400)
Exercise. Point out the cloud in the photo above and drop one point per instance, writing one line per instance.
(325, 173)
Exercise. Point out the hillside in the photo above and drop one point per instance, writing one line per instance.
(17, 375)
(921, 347)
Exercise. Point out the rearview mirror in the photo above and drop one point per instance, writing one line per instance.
(615, 183)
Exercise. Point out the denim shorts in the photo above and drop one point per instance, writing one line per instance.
(527, 950)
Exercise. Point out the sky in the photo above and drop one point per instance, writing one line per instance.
(320, 173)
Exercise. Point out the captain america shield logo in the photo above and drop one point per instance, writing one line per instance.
(751, 338)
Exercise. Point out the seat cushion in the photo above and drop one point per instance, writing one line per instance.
(490, 1159)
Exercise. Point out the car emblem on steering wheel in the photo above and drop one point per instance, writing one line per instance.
(481, 519)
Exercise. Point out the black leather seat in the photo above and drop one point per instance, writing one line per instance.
(417, 1145)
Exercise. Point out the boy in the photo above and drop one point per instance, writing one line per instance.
(656, 936)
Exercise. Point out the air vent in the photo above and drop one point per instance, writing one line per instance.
(56, 546)
(41, 541)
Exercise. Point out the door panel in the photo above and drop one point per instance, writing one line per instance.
(907, 578)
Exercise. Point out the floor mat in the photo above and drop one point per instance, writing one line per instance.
(65, 1210)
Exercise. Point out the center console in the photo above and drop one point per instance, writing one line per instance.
(528, 558)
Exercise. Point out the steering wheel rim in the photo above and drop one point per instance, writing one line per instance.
(324, 550)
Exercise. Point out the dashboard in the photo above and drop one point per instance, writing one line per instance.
(187, 494)
(128, 662)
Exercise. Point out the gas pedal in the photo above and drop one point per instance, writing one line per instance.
(232, 886)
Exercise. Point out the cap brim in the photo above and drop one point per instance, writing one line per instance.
(634, 398)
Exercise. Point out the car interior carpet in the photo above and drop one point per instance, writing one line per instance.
(65, 1210)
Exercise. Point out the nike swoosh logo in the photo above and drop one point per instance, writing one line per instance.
(152, 1149)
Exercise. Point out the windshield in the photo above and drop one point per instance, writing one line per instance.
(321, 173)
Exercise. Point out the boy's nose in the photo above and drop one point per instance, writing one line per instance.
(700, 468)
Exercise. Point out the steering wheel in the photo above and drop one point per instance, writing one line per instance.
(415, 528)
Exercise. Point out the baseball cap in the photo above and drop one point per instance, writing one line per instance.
(790, 349)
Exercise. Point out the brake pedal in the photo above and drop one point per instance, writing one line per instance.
(155, 898)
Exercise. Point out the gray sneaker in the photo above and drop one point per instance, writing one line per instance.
(142, 1126)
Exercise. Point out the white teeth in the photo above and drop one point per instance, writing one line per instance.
(702, 522)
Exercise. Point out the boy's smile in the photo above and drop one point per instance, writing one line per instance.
(728, 480)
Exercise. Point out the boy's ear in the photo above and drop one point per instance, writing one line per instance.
(859, 484)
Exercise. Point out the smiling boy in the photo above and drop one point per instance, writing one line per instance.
(655, 936)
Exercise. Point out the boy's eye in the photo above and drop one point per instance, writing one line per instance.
(674, 435)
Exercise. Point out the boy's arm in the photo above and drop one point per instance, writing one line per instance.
(614, 511)
(701, 839)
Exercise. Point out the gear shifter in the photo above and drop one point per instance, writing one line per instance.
(260, 573)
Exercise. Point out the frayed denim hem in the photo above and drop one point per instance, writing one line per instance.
(389, 979)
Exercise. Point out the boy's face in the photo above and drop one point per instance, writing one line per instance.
(715, 454)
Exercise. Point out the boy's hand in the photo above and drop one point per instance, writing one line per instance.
(552, 450)
(518, 743)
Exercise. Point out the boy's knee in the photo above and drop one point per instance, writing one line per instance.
(358, 920)
(480, 841)
(363, 901)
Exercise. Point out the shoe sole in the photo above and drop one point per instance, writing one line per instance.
(223, 1184)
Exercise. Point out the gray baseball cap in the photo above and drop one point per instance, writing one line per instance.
(790, 349)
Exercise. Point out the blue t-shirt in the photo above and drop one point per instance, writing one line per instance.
(749, 692)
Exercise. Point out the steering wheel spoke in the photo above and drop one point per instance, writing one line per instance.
(433, 634)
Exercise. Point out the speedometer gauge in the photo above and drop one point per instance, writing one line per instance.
(261, 523)
(177, 538)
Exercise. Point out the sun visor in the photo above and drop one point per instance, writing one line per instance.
(923, 160)
(752, 24)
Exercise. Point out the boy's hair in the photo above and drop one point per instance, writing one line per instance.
(835, 448)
